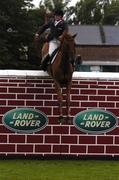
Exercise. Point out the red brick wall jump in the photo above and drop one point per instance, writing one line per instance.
(55, 138)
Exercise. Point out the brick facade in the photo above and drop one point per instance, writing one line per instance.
(100, 53)
(57, 139)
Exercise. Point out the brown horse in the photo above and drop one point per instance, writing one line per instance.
(61, 70)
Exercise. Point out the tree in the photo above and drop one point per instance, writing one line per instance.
(97, 12)
(14, 31)
(88, 12)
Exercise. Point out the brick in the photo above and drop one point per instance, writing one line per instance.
(52, 139)
(104, 140)
(25, 85)
(5, 109)
(35, 90)
(47, 81)
(114, 111)
(4, 80)
(51, 103)
(88, 104)
(79, 97)
(96, 98)
(97, 87)
(112, 98)
(74, 130)
(7, 96)
(60, 130)
(106, 104)
(75, 110)
(2, 102)
(44, 97)
(3, 129)
(77, 149)
(86, 139)
(74, 104)
(16, 102)
(114, 132)
(44, 85)
(106, 82)
(88, 91)
(39, 81)
(50, 91)
(3, 138)
(60, 148)
(113, 87)
(34, 103)
(25, 96)
(117, 83)
(88, 82)
(2, 89)
(69, 139)
(46, 110)
(53, 120)
(17, 80)
(16, 90)
(16, 138)
(46, 130)
(43, 148)
(74, 91)
(117, 105)
(112, 149)
(96, 149)
(117, 92)
(34, 139)
(8, 84)
(79, 86)
(7, 148)
(106, 92)
(24, 148)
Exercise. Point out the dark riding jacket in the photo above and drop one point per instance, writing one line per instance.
(55, 29)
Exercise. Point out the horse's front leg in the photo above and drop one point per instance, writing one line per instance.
(60, 101)
(68, 88)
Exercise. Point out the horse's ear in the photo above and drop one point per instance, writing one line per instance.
(74, 35)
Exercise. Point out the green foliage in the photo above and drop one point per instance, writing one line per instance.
(97, 12)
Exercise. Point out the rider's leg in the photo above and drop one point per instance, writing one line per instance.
(54, 44)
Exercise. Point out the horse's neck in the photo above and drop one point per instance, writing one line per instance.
(65, 60)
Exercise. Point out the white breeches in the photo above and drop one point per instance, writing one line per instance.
(53, 44)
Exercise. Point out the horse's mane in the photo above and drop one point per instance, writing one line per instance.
(66, 48)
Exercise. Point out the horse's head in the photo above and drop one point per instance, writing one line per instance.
(68, 45)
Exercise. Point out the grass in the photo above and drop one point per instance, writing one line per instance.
(59, 170)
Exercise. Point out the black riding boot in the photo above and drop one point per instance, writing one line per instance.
(44, 63)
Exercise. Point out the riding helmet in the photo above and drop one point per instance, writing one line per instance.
(58, 12)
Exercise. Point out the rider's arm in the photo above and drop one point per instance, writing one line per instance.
(42, 29)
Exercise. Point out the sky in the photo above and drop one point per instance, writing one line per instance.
(36, 2)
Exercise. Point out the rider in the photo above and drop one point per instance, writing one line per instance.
(57, 27)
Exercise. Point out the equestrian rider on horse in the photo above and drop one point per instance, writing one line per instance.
(57, 27)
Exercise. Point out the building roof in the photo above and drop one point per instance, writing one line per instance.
(95, 34)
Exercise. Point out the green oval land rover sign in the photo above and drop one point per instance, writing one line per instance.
(95, 121)
(25, 120)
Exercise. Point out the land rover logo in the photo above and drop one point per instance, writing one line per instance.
(95, 121)
(25, 120)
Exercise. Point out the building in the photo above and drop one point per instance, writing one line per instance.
(98, 46)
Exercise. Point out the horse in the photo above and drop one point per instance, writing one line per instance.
(61, 70)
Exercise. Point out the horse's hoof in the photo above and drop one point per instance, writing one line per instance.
(61, 119)
(69, 120)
